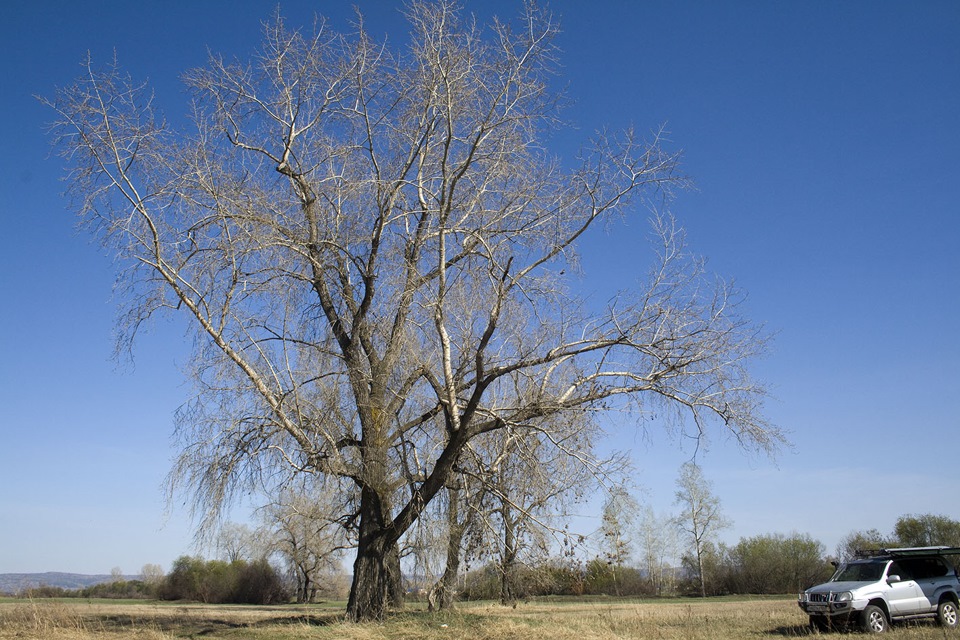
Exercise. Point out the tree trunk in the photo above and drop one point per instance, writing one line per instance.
(395, 591)
(377, 579)
(703, 580)
(368, 592)
(441, 594)
(508, 595)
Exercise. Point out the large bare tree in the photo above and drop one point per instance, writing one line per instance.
(377, 254)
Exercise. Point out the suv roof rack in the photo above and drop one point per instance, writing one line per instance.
(907, 551)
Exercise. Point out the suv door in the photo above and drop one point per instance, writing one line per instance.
(933, 576)
(904, 595)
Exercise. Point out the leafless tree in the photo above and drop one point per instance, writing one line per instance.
(657, 540)
(152, 574)
(301, 525)
(618, 520)
(237, 541)
(377, 254)
(461, 509)
(700, 515)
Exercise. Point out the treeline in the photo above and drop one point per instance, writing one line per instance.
(193, 579)
(766, 564)
(763, 564)
(117, 589)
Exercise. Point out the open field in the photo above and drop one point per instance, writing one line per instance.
(598, 619)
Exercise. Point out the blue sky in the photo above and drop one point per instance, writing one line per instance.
(824, 140)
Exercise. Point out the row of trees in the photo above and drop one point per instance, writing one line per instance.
(765, 564)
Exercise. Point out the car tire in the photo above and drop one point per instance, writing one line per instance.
(873, 619)
(947, 614)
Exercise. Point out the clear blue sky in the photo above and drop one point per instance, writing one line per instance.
(824, 138)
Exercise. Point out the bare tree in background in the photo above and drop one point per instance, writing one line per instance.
(618, 522)
(700, 515)
(237, 541)
(532, 476)
(377, 254)
(657, 539)
(152, 574)
(302, 527)
(511, 494)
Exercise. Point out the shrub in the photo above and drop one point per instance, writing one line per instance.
(218, 582)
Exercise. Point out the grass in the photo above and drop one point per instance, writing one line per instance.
(554, 619)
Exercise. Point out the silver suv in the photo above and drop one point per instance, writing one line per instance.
(886, 585)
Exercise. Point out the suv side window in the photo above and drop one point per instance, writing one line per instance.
(925, 568)
(897, 569)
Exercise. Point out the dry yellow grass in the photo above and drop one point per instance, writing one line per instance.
(556, 620)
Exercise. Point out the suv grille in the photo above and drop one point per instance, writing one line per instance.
(819, 597)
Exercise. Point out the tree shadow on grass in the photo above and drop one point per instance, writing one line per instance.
(193, 626)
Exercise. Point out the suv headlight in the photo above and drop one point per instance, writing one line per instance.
(843, 596)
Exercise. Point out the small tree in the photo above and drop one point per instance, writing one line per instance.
(237, 541)
(775, 563)
(302, 525)
(700, 516)
(657, 539)
(618, 523)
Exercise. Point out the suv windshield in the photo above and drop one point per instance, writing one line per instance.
(860, 572)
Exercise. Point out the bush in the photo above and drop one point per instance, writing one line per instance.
(218, 582)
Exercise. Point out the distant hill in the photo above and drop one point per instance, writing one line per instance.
(17, 582)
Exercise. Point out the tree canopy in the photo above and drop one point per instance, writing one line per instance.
(376, 252)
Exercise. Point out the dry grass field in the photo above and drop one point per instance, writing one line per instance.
(560, 619)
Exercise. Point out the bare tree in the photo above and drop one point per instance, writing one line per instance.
(618, 521)
(377, 253)
(657, 540)
(237, 541)
(152, 574)
(460, 507)
(700, 515)
(512, 490)
(302, 527)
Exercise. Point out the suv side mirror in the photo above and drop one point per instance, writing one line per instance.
(893, 578)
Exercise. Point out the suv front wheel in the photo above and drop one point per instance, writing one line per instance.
(947, 614)
(874, 620)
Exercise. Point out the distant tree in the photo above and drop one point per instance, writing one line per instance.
(303, 527)
(927, 530)
(700, 516)
(867, 540)
(374, 248)
(618, 522)
(152, 576)
(237, 541)
(657, 540)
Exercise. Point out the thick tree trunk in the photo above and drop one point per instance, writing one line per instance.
(377, 579)
(368, 593)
